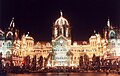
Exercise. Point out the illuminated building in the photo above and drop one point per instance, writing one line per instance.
(113, 36)
(27, 45)
(2, 41)
(43, 49)
(12, 47)
(62, 51)
(22, 48)
(96, 45)
(6, 42)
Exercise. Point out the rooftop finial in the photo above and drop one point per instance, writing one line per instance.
(12, 18)
(27, 34)
(94, 32)
(108, 22)
(13, 22)
(61, 13)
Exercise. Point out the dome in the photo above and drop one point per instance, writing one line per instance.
(61, 20)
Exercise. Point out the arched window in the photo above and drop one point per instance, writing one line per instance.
(112, 34)
(74, 58)
(8, 54)
(9, 44)
(47, 44)
(113, 44)
(9, 35)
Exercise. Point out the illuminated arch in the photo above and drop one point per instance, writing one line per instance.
(61, 21)
(112, 34)
(9, 33)
(8, 53)
(9, 43)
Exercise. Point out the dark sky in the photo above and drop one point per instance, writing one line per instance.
(37, 16)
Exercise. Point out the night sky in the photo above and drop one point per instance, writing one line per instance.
(38, 16)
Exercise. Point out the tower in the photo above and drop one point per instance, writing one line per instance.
(10, 30)
(9, 38)
(112, 34)
(61, 27)
(61, 41)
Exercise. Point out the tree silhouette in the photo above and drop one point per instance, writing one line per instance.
(27, 62)
(40, 62)
(94, 60)
(81, 61)
(102, 61)
(86, 61)
(34, 63)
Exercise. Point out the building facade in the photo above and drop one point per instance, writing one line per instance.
(65, 52)
(113, 37)
(6, 42)
(61, 51)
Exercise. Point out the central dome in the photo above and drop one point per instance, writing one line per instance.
(61, 20)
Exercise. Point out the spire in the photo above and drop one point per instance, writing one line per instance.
(94, 32)
(61, 13)
(12, 24)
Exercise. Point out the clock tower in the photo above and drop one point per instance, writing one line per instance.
(61, 42)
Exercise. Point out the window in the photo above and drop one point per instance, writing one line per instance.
(48, 44)
(118, 44)
(112, 34)
(8, 44)
(113, 43)
(7, 54)
(74, 57)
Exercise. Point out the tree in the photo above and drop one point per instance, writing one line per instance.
(40, 62)
(27, 62)
(98, 62)
(86, 61)
(81, 61)
(102, 61)
(34, 63)
(94, 60)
